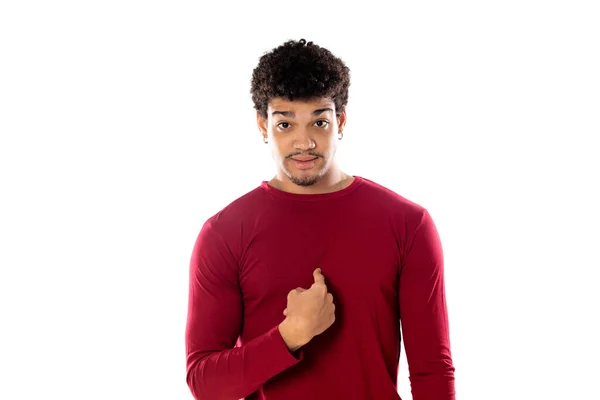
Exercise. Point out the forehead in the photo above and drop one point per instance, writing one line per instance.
(300, 106)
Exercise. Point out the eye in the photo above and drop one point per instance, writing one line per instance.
(281, 125)
(322, 124)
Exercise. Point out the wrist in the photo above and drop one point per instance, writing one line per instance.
(290, 336)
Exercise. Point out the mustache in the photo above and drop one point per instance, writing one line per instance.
(305, 154)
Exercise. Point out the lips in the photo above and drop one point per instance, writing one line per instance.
(304, 165)
(304, 158)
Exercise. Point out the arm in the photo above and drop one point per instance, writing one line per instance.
(215, 369)
(424, 315)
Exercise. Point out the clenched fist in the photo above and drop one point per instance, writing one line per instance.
(308, 314)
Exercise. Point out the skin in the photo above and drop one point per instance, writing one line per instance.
(305, 128)
(293, 130)
(309, 313)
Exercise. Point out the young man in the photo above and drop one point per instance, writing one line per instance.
(299, 287)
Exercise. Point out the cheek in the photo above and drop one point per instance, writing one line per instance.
(332, 146)
(281, 153)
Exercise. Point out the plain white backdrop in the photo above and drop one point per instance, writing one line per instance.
(125, 124)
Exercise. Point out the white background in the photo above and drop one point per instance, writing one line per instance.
(125, 124)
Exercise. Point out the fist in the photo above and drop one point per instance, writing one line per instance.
(310, 311)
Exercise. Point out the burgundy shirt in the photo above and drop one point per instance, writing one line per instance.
(382, 260)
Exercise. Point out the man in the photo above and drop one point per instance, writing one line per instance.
(299, 287)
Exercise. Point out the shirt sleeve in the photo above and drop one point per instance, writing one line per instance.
(216, 369)
(424, 315)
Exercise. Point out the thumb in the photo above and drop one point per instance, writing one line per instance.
(319, 278)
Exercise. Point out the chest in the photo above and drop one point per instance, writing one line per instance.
(358, 256)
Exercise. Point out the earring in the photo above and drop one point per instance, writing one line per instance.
(341, 135)
(265, 140)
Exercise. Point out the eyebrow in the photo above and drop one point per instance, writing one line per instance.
(290, 114)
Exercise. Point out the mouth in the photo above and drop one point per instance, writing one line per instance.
(304, 158)
(304, 163)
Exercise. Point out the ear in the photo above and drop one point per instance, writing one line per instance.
(262, 125)
(341, 118)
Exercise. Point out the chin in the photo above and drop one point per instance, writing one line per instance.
(305, 178)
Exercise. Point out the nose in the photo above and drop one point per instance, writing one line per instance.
(303, 141)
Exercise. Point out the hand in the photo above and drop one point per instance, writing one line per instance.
(308, 314)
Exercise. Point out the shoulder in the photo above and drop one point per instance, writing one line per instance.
(406, 216)
(233, 216)
(389, 200)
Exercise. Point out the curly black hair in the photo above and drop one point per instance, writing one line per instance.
(299, 70)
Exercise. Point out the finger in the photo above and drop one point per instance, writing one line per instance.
(319, 278)
(300, 290)
(285, 312)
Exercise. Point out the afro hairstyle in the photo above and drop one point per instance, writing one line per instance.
(299, 70)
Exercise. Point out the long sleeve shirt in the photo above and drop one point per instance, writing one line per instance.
(382, 260)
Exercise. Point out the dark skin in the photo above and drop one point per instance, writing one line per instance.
(305, 128)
